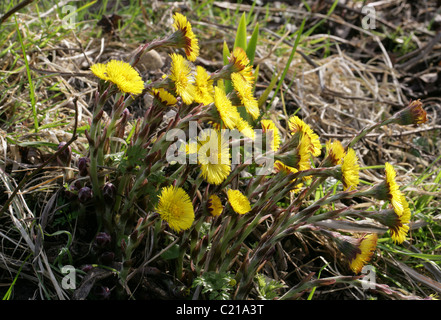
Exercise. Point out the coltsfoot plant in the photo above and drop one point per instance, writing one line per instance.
(187, 195)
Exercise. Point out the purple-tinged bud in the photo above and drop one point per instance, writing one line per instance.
(83, 166)
(103, 239)
(86, 268)
(98, 116)
(109, 192)
(85, 194)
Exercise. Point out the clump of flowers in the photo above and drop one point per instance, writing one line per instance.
(200, 200)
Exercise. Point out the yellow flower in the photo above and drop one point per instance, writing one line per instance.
(227, 111)
(204, 92)
(400, 227)
(350, 170)
(238, 201)
(189, 41)
(281, 167)
(181, 77)
(303, 151)
(240, 63)
(412, 114)
(245, 92)
(358, 251)
(394, 193)
(366, 247)
(176, 208)
(100, 70)
(214, 157)
(245, 128)
(334, 152)
(297, 125)
(164, 97)
(120, 73)
(214, 205)
(269, 127)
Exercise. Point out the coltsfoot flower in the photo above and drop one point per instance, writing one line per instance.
(164, 97)
(298, 126)
(366, 247)
(214, 156)
(122, 74)
(350, 170)
(204, 91)
(215, 205)
(412, 114)
(271, 130)
(175, 208)
(186, 39)
(238, 201)
(398, 224)
(335, 152)
(241, 64)
(244, 90)
(182, 78)
(358, 251)
(227, 112)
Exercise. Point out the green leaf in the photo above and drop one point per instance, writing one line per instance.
(241, 34)
(225, 53)
(252, 44)
(171, 253)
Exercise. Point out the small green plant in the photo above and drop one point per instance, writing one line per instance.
(268, 289)
(218, 286)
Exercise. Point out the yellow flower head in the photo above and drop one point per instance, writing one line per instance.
(303, 151)
(400, 227)
(225, 108)
(298, 126)
(412, 114)
(214, 205)
(394, 194)
(245, 128)
(164, 97)
(350, 170)
(270, 128)
(120, 73)
(334, 152)
(283, 168)
(358, 251)
(188, 39)
(366, 248)
(240, 63)
(238, 201)
(175, 208)
(214, 156)
(245, 92)
(204, 92)
(182, 78)
(100, 70)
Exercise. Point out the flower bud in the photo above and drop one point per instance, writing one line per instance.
(85, 194)
(109, 192)
(102, 239)
(412, 114)
(83, 166)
